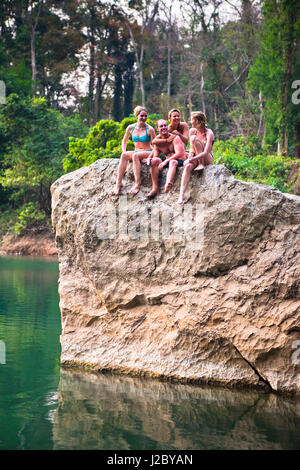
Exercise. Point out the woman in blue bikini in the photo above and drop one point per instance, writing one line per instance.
(142, 135)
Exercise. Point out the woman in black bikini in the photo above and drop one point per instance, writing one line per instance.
(201, 150)
(142, 135)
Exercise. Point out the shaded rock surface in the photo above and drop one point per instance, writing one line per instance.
(213, 297)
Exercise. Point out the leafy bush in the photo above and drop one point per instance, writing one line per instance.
(28, 216)
(102, 132)
(250, 161)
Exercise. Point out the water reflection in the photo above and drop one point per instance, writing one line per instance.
(103, 411)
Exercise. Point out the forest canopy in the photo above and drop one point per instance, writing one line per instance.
(70, 67)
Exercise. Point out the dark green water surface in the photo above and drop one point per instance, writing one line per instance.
(45, 407)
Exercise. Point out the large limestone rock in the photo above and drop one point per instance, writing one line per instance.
(212, 297)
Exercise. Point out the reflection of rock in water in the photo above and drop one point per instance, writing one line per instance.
(99, 411)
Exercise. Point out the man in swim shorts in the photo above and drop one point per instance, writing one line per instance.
(168, 151)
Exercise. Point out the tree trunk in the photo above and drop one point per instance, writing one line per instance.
(128, 84)
(139, 61)
(190, 101)
(33, 58)
(98, 98)
(147, 23)
(142, 87)
(92, 67)
(261, 117)
(141, 75)
(33, 26)
(201, 88)
(100, 84)
(216, 130)
(169, 73)
(117, 100)
(291, 17)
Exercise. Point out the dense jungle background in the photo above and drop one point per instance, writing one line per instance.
(72, 72)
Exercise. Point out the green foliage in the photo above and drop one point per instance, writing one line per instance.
(28, 216)
(102, 132)
(126, 122)
(103, 141)
(35, 139)
(250, 161)
(153, 118)
(276, 66)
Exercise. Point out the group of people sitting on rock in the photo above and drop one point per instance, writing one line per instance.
(167, 149)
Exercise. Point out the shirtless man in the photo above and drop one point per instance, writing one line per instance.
(172, 147)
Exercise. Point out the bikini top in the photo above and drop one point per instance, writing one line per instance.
(143, 138)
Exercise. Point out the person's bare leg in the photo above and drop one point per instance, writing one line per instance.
(203, 162)
(121, 171)
(154, 171)
(170, 175)
(184, 181)
(136, 166)
(197, 147)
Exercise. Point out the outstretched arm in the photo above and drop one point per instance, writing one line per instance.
(126, 137)
(159, 140)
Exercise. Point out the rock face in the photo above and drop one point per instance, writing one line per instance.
(207, 293)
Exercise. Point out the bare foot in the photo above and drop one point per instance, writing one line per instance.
(117, 190)
(135, 189)
(168, 187)
(199, 167)
(152, 194)
(180, 201)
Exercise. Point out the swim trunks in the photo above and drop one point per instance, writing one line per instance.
(163, 158)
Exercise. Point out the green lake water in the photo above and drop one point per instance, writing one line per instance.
(45, 407)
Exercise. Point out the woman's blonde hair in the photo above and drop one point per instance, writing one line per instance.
(174, 110)
(138, 109)
(200, 116)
